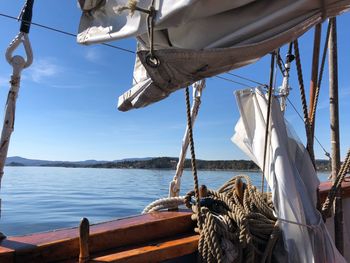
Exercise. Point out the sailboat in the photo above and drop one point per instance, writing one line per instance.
(182, 44)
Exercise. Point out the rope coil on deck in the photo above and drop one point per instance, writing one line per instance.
(238, 222)
(236, 227)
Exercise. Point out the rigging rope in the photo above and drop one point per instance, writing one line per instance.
(280, 63)
(270, 92)
(64, 32)
(302, 119)
(303, 101)
(193, 155)
(344, 169)
(248, 79)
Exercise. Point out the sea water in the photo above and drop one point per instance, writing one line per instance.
(36, 199)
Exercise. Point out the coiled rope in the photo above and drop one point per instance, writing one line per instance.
(238, 224)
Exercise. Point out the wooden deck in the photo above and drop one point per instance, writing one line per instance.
(152, 237)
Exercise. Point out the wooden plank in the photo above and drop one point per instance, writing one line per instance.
(64, 244)
(154, 252)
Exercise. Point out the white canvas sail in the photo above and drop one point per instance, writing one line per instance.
(290, 175)
(198, 39)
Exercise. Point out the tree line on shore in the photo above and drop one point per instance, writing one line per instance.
(171, 163)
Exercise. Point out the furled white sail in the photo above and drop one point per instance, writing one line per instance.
(290, 175)
(197, 39)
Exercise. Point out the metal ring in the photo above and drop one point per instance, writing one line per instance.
(152, 61)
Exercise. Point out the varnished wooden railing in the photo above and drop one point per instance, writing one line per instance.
(64, 244)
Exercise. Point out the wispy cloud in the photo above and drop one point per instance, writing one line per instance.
(43, 69)
(344, 92)
(92, 55)
(4, 81)
(67, 86)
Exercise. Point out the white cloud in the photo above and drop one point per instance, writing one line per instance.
(92, 55)
(42, 69)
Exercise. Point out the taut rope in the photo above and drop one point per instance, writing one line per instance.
(273, 56)
(303, 101)
(193, 155)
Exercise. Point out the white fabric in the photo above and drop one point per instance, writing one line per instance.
(196, 39)
(290, 175)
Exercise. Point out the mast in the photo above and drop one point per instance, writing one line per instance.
(334, 126)
(314, 78)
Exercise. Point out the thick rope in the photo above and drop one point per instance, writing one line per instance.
(164, 203)
(303, 100)
(193, 155)
(344, 169)
(236, 228)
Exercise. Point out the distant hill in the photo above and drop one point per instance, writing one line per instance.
(150, 163)
(34, 162)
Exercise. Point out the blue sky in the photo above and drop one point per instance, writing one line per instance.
(67, 103)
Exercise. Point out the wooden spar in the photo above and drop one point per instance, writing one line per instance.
(334, 126)
(270, 91)
(314, 78)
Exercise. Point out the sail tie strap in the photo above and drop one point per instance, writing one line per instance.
(151, 12)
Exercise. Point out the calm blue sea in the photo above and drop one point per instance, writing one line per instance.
(44, 198)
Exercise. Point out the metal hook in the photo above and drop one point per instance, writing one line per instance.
(24, 39)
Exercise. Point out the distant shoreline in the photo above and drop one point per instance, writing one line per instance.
(167, 163)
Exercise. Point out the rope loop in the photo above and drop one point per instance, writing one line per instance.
(21, 38)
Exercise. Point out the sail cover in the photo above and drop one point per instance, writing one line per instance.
(290, 175)
(195, 39)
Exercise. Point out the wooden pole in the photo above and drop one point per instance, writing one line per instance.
(84, 232)
(334, 126)
(314, 77)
